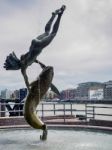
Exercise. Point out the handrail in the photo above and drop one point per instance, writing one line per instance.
(89, 111)
(100, 107)
(94, 114)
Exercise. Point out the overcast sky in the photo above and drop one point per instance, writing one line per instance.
(80, 52)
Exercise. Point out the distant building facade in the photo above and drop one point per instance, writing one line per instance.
(84, 90)
(22, 93)
(108, 90)
(16, 94)
(6, 94)
(96, 93)
(68, 94)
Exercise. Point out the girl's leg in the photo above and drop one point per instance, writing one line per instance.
(46, 40)
(49, 23)
(47, 27)
(56, 25)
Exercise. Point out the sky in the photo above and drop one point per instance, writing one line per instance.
(80, 52)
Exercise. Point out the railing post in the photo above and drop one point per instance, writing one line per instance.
(86, 110)
(42, 111)
(71, 109)
(54, 109)
(93, 112)
(19, 108)
(64, 111)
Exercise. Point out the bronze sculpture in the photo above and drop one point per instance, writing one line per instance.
(37, 45)
(39, 87)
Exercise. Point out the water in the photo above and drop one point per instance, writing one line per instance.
(57, 140)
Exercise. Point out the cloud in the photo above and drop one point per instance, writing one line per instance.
(80, 52)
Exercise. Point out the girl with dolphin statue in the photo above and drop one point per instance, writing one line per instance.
(39, 87)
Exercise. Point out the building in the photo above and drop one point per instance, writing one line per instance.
(22, 94)
(96, 93)
(83, 89)
(16, 94)
(68, 94)
(108, 90)
(6, 94)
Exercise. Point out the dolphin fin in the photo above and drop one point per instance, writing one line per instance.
(54, 89)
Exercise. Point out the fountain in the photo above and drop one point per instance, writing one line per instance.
(28, 139)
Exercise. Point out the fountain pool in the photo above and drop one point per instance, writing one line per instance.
(29, 139)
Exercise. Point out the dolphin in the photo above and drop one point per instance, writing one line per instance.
(38, 89)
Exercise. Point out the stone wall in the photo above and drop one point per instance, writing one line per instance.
(104, 123)
(20, 121)
(12, 121)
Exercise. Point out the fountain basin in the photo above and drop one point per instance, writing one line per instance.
(72, 139)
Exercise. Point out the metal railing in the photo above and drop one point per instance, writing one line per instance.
(98, 112)
(60, 109)
(81, 111)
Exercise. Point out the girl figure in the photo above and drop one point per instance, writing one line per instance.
(37, 45)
